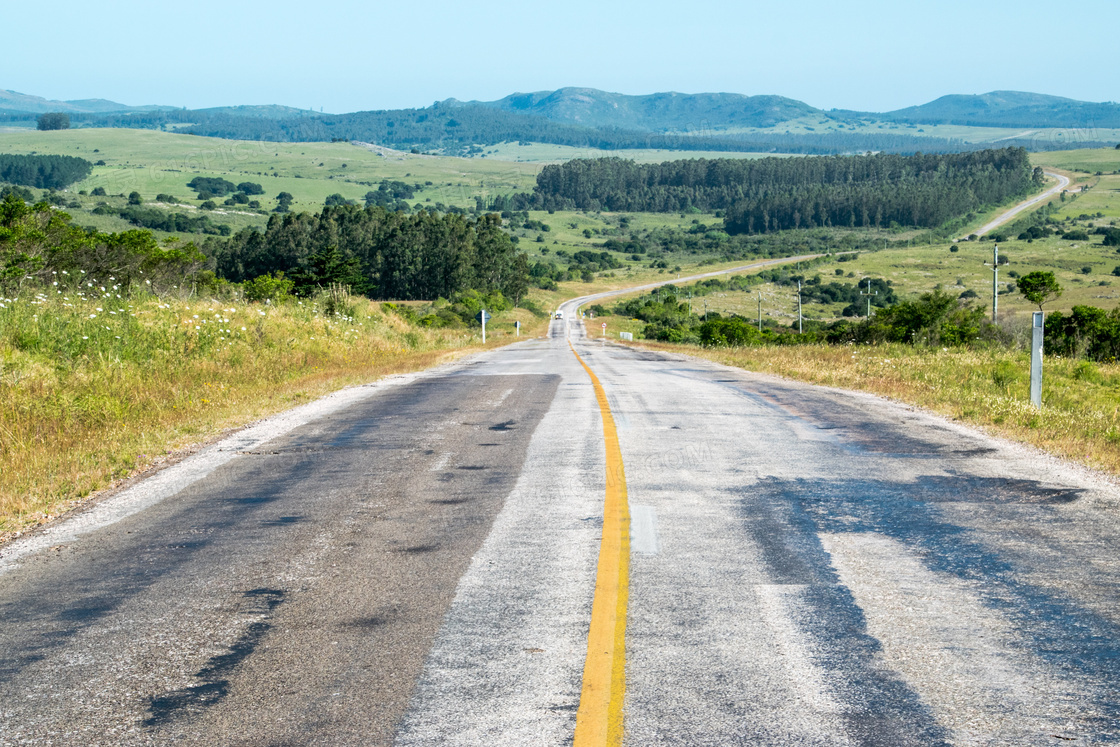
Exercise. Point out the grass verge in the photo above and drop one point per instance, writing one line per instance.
(1080, 418)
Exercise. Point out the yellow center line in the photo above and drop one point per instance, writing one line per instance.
(599, 719)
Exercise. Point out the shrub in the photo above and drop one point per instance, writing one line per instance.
(274, 287)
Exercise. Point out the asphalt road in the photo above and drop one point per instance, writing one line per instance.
(414, 563)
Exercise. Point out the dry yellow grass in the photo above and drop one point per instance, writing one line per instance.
(1080, 419)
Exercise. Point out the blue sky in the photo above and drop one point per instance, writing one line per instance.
(347, 56)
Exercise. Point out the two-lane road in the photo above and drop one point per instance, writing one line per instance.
(417, 564)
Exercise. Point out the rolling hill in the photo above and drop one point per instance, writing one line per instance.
(656, 112)
(13, 101)
(1009, 109)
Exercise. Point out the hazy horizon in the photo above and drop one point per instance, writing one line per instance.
(869, 55)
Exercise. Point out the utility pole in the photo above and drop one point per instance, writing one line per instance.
(799, 329)
(705, 309)
(995, 281)
(690, 303)
(869, 294)
(760, 311)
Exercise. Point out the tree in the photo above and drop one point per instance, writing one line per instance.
(215, 186)
(134, 198)
(1039, 287)
(250, 188)
(327, 267)
(53, 121)
(284, 202)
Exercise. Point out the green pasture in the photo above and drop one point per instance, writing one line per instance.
(152, 162)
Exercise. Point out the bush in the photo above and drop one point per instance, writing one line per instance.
(274, 287)
(733, 332)
(935, 318)
(24, 194)
(1087, 332)
(335, 200)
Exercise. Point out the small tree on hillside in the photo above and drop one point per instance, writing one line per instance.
(1039, 287)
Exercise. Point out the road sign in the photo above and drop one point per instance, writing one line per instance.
(482, 316)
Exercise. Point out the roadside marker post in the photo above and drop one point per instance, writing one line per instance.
(604, 329)
(517, 326)
(1036, 359)
(482, 316)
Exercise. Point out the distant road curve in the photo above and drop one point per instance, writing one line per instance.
(1063, 182)
(572, 304)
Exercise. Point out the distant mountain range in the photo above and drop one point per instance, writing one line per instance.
(682, 112)
(586, 117)
(706, 111)
(14, 102)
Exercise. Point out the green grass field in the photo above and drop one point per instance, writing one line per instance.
(152, 162)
